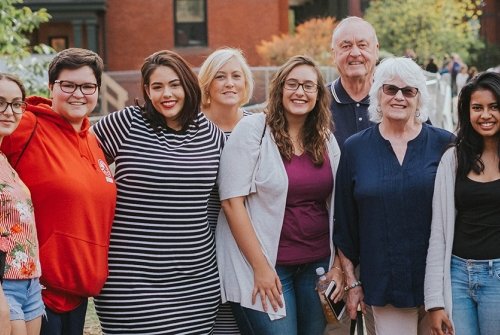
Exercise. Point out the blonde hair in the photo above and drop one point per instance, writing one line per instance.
(214, 62)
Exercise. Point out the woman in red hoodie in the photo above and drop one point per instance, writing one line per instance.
(71, 185)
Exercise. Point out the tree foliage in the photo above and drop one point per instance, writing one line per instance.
(429, 27)
(311, 38)
(17, 22)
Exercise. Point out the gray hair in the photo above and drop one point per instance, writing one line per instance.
(407, 71)
(350, 20)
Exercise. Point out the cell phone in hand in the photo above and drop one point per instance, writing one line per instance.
(338, 308)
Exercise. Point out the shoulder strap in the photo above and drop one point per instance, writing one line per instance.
(26, 145)
(263, 132)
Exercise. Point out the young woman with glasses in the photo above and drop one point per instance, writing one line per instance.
(72, 188)
(21, 305)
(383, 200)
(276, 182)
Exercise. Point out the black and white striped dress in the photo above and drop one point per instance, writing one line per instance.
(163, 275)
(225, 323)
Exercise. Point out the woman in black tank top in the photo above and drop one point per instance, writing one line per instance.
(462, 281)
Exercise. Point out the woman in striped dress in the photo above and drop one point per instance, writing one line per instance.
(163, 276)
(226, 84)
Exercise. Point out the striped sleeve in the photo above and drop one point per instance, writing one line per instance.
(113, 130)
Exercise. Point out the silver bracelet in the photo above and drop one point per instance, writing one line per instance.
(353, 285)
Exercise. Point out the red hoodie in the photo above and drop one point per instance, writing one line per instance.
(74, 197)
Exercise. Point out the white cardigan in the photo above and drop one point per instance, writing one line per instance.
(255, 171)
(437, 284)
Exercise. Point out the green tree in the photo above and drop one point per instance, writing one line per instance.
(311, 38)
(17, 22)
(429, 27)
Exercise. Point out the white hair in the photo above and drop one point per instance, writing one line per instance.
(407, 71)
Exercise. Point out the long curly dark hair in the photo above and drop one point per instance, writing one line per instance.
(189, 82)
(469, 143)
(318, 125)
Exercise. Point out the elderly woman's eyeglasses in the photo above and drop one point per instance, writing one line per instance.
(408, 91)
(70, 87)
(307, 86)
(18, 107)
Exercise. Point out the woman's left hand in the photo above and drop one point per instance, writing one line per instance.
(338, 276)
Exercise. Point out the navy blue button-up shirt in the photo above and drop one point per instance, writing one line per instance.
(383, 212)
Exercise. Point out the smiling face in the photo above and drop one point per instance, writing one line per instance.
(166, 94)
(355, 50)
(76, 106)
(484, 114)
(398, 107)
(228, 86)
(9, 92)
(298, 103)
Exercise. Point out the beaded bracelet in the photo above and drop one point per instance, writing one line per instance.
(353, 285)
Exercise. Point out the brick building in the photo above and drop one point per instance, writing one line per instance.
(124, 32)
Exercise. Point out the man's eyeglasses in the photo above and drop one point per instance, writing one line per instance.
(18, 107)
(408, 91)
(70, 87)
(307, 86)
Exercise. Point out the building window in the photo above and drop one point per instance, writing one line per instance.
(58, 43)
(190, 23)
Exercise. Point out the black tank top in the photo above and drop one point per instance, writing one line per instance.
(477, 226)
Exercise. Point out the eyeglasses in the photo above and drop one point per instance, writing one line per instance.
(18, 107)
(408, 91)
(307, 86)
(70, 87)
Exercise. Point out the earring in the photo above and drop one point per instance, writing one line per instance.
(417, 114)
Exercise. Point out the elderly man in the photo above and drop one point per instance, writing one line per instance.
(355, 51)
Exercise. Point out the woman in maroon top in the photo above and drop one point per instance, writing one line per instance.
(279, 233)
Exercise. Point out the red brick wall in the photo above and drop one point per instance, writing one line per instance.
(135, 29)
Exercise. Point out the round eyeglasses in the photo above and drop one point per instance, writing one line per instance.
(307, 86)
(17, 107)
(70, 87)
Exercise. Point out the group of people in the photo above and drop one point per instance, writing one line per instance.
(215, 219)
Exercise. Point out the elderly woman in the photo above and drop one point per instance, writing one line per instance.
(277, 219)
(383, 199)
(226, 84)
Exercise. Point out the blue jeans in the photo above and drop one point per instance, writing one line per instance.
(304, 315)
(476, 296)
(25, 298)
(69, 323)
